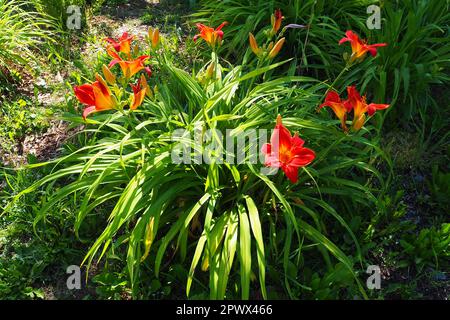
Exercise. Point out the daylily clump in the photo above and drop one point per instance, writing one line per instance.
(360, 47)
(355, 102)
(99, 96)
(287, 152)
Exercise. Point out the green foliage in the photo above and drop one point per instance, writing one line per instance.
(430, 246)
(22, 34)
(440, 188)
(58, 8)
(33, 266)
(20, 118)
(415, 60)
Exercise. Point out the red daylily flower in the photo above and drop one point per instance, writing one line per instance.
(286, 152)
(360, 47)
(129, 68)
(123, 44)
(339, 107)
(210, 35)
(360, 107)
(96, 96)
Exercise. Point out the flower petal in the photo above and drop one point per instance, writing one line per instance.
(266, 149)
(88, 110)
(85, 94)
(137, 99)
(332, 96)
(297, 142)
(223, 24)
(303, 157)
(291, 172)
(272, 161)
(371, 108)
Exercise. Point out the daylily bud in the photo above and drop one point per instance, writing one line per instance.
(210, 70)
(136, 50)
(254, 45)
(155, 38)
(150, 33)
(276, 19)
(114, 99)
(101, 80)
(201, 77)
(279, 120)
(276, 48)
(109, 76)
(144, 84)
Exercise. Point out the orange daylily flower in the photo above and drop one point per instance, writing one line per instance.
(286, 152)
(129, 68)
(360, 47)
(276, 19)
(339, 107)
(123, 44)
(96, 96)
(211, 36)
(360, 107)
(139, 92)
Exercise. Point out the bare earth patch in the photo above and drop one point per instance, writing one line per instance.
(43, 146)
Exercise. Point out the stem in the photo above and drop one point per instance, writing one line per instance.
(346, 68)
(258, 65)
